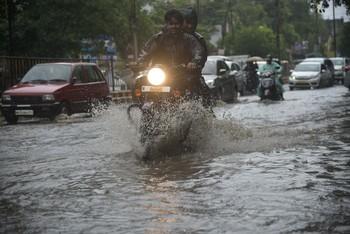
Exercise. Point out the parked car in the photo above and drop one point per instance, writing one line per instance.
(326, 61)
(235, 70)
(340, 64)
(49, 89)
(310, 75)
(222, 84)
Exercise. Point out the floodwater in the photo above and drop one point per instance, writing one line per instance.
(259, 167)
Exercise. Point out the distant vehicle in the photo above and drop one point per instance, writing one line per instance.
(326, 61)
(235, 70)
(217, 76)
(310, 75)
(49, 89)
(340, 64)
(347, 77)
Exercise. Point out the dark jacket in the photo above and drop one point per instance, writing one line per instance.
(201, 40)
(169, 50)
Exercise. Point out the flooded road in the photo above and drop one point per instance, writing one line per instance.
(263, 167)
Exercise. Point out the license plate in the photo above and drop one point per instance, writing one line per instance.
(24, 112)
(157, 89)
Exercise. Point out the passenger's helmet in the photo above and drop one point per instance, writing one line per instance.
(190, 16)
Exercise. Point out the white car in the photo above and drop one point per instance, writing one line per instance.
(339, 68)
(310, 75)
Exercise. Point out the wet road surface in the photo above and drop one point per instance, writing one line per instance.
(260, 167)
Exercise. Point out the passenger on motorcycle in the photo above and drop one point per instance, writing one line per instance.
(275, 68)
(172, 47)
(189, 26)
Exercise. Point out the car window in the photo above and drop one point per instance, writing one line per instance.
(99, 74)
(209, 68)
(92, 74)
(235, 67)
(48, 72)
(307, 67)
(78, 74)
(222, 65)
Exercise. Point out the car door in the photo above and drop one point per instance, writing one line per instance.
(97, 86)
(326, 75)
(77, 90)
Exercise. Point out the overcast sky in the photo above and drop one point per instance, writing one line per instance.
(340, 12)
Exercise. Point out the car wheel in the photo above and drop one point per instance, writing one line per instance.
(11, 119)
(65, 109)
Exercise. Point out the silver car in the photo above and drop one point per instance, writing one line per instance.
(339, 68)
(310, 75)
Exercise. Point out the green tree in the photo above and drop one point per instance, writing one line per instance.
(254, 40)
(345, 40)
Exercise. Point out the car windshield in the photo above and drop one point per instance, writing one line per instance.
(209, 68)
(48, 72)
(338, 62)
(307, 67)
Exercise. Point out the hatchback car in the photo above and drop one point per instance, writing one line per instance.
(310, 75)
(340, 64)
(217, 76)
(49, 89)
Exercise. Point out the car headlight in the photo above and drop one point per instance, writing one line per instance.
(292, 77)
(6, 98)
(156, 76)
(48, 98)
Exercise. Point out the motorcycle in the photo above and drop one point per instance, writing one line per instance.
(160, 93)
(268, 87)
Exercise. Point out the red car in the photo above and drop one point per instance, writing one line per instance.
(50, 89)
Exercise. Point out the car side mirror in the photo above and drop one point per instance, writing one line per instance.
(222, 71)
(74, 80)
(291, 71)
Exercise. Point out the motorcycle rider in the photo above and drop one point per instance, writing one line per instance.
(173, 47)
(189, 26)
(275, 68)
(251, 69)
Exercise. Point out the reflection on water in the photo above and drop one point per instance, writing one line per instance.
(258, 168)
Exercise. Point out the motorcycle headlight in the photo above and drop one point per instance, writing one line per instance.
(6, 98)
(48, 98)
(156, 76)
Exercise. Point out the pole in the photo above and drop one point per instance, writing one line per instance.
(334, 33)
(278, 29)
(197, 6)
(133, 26)
(10, 19)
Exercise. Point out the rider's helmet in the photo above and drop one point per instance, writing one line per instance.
(190, 19)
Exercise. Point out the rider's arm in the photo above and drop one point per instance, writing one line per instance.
(149, 49)
(197, 52)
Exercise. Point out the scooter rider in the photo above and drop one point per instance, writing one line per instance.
(275, 68)
(173, 47)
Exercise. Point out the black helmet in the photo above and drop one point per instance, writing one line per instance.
(173, 13)
(190, 16)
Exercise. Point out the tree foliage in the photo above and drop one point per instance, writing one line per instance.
(56, 28)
